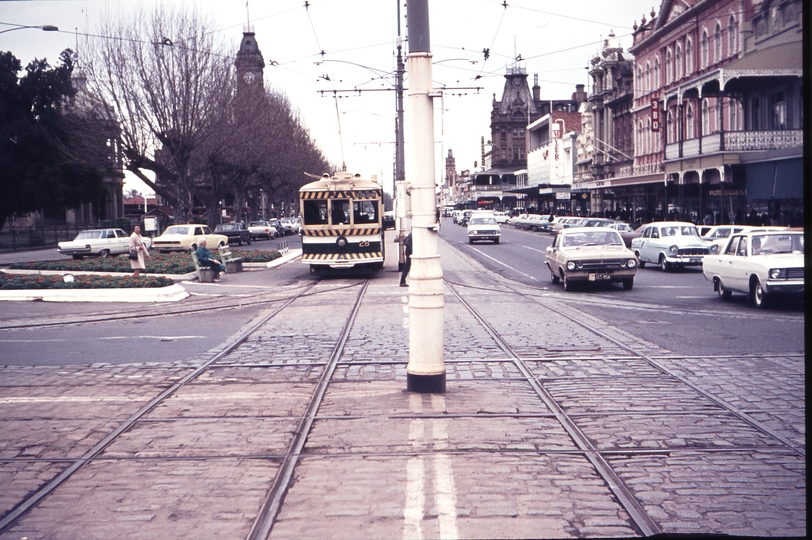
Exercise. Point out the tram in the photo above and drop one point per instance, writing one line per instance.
(342, 223)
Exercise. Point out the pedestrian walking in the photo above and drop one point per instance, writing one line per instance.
(407, 245)
(138, 251)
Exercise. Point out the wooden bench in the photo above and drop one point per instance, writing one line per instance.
(204, 274)
(232, 263)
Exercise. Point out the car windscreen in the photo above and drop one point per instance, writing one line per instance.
(679, 230)
(256, 224)
(483, 221)
(769, 244)
(598, 238)
(88, 235)
(177, 230)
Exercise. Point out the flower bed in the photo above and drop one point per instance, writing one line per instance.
(18, 281)
(170, 263)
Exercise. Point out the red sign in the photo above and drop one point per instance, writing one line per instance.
(655, 115)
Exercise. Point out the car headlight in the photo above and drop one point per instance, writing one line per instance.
(571, 265)
(632, 263)
(673, 250)
(775, 273)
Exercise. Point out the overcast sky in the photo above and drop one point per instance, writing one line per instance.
(358, 38)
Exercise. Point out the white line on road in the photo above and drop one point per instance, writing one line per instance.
(503, 264)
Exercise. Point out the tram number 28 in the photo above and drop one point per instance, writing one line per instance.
(363, 243)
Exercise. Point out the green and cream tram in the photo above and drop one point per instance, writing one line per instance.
(341, 223)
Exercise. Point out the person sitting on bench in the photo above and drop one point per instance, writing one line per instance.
(206, 259)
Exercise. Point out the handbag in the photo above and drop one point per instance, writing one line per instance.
(133, 255)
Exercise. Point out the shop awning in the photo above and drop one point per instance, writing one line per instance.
(775, 179)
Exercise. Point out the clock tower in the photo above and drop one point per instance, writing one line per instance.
(249, 62)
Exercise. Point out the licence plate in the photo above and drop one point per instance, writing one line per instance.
(695, 259)
(598, 277)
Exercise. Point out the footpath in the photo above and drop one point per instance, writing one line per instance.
(547, 429)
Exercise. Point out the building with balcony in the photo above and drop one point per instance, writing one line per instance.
(724, 76)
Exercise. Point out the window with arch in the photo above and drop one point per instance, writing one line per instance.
(731, 36)
(640, 137)
(648, 77)
(668, 66)
(678, 61)
(670, 123)
(640, 80)
(704, 48)
(656, 73)
(647, 136)
(705, 118)
(689, 122)
(717, 43)
(689, 56)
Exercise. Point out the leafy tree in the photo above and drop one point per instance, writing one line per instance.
(42, 168)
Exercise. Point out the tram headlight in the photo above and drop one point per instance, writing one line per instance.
(341, 242)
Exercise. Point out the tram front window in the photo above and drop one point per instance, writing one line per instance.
(341, 211)
(315, 212)
(365, 212)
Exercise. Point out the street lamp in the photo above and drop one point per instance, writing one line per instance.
(44, 28)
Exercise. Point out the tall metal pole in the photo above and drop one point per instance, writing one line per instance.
(425, 371)
(402, 199)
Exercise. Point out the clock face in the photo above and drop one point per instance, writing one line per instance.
(249, 77)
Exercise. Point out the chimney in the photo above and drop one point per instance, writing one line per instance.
(579, 96)
(536, 87)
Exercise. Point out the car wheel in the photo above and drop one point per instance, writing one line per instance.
(193, 247)
(496, 241)
(664, 266)
(554, 278)
(641, 263)
(470, 240)
(221, 244)
(758, 295)
(535, 229)
(723, 293)
(628, 284)
(568, 285)
(239, 240)
(104, 253)
(249, 240)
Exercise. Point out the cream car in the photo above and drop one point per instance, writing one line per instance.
(670, 244)
(590, 254)
(758, 263)
(187, 237)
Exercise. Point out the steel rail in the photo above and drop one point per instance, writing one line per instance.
(264, 522)
(94, 452)
(636, 512)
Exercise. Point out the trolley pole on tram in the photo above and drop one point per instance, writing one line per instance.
(425, 371)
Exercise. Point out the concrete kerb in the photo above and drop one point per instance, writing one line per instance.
(172, 293)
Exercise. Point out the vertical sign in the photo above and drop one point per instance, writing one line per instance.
(655, 115)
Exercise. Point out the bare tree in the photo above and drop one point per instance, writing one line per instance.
(170, 86)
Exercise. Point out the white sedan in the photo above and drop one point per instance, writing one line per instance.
(186, 237)
(98, 243)
(762, 264)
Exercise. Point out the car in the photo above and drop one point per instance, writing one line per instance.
(718, 235)
(463, 219)
(456, 215)
(483, 227)
(513, 219)
(187, 237)
(388, 220)
(262, 229)
(501, 217)
(562, 223)
(762, 264)
(99, 243)
(627, 232)
(236, 232)
(597, 222)
(533, 222)
(670, 244)
(590, 254)
(291, 225)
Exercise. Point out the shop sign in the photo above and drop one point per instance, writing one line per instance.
(655, 115)
(730, 192)
(562, 196)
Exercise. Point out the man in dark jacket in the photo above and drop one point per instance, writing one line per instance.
(206, 259)
(407, 244)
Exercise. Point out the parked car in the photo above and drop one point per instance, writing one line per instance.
(761, 264)
(186, 237)
(483, 227)
(512, 220)
(388, 220)
(463, 219)
(533, 222)
(291, 225)
(670, 243)
(597, 222)
(99, 243)
(627, 232)
(563, 222)
(262, 229)
(590, 254)
(236, 232)
(501, 217)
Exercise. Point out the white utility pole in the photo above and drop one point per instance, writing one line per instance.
(426, 369)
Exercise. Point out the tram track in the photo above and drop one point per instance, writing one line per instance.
(111, 437)
(634, 507)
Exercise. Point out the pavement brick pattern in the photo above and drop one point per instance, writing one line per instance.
(486, 459)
